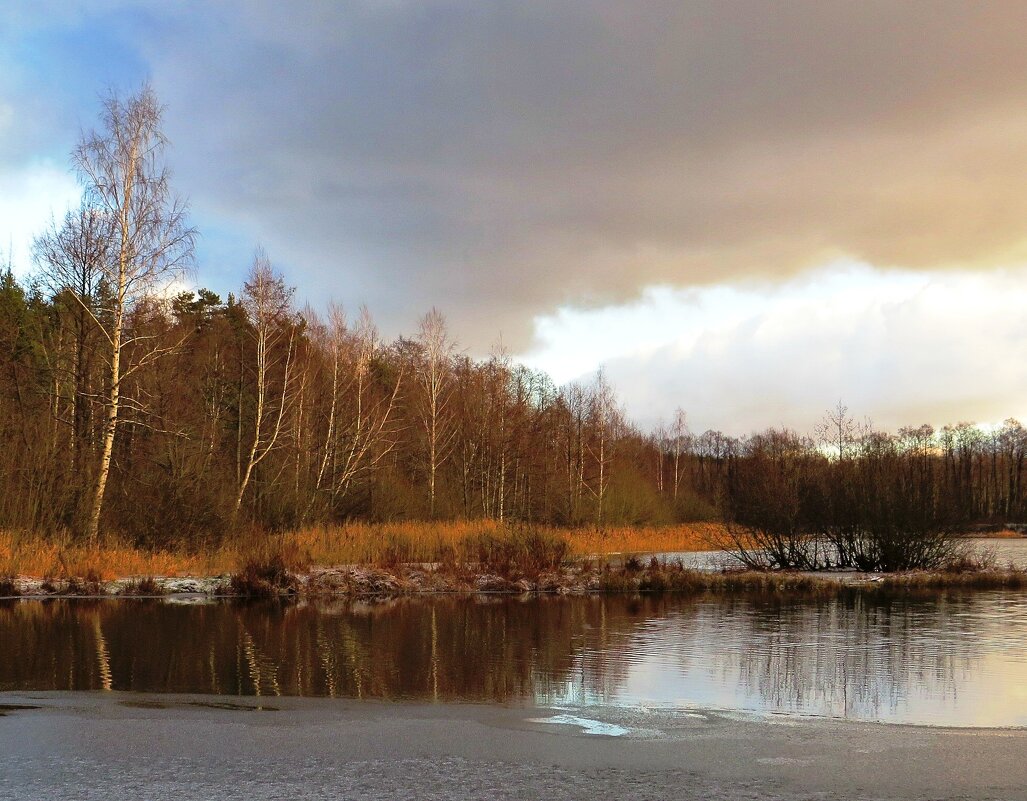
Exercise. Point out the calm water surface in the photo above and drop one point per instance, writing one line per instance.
(1004, 551)
(959, 660)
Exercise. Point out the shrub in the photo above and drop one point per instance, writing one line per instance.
(518, 550)
(264, 578)
(877, 510)
(146, 586)
(89, 583)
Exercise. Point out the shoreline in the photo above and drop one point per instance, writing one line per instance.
(357, 581)
(119, 745)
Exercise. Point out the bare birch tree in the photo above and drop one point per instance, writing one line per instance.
(661, 446)
(126, 181)
(500, 366)
(435, 378)
(679, 443)
(268, 305)
(605, 422)
(358, 424)
(576, 404)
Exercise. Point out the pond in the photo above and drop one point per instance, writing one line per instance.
(955, 660)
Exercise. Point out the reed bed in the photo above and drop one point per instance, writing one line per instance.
(379, 544)
(63, 558)
(687, 537)
(419, 542)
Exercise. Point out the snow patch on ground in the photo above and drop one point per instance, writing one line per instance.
(587, 725)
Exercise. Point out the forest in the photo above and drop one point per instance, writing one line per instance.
(172, 419)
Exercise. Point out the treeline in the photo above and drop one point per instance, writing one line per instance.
(853, 497)
(246, 411)
(174, 419)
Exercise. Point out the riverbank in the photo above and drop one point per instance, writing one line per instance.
(85, 746)
(577, 578)
(409, 559)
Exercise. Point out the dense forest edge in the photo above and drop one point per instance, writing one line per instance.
(151, 431)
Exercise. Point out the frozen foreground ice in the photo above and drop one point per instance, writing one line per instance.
(176, 748)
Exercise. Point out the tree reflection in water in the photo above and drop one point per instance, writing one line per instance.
(926, 661)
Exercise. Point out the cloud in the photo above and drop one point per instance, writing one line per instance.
(30, 197)
(901, 347)
(505, 160)
(498, 160)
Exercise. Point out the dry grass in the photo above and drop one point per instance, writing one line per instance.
(659, 577)
(61, 558)
(386, 544)
(394, 543)
(664, 539)
(1005, 534)
(983, 579)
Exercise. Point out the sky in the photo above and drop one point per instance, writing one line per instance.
(749, 210)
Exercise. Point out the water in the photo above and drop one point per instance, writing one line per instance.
(957, 660)
(1005, 553)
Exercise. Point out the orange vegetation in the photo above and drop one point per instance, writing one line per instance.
(353, 543)
(375, 543)
(663, 539)
(33, 555)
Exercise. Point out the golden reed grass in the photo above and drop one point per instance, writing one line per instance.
(28, 554)
(61, 558)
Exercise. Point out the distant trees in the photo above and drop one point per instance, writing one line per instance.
(33, 466)
(876, 504)
(74, 257)
(275, 418)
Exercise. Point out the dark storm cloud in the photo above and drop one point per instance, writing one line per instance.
(499, 159)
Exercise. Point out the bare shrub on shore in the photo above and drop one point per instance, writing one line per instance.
(873, 507)
(8, 588)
